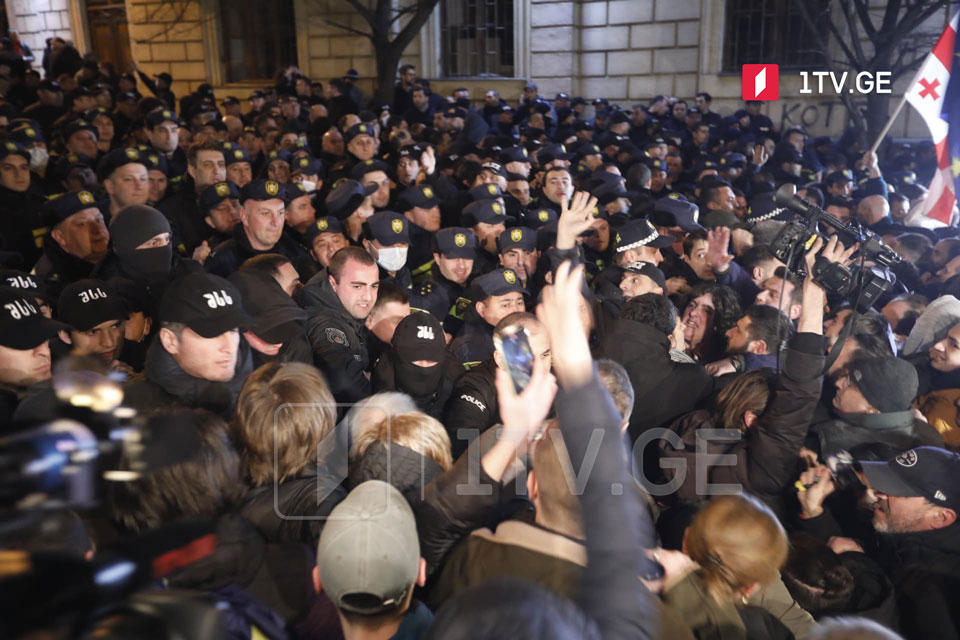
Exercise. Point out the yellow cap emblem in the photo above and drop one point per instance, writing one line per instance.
(492, 188)
(132, 153)
(397, 225)
(509, 276)
(85, 197)
(272, 187)
(542, 215)
(460, 240)
(516, 235)
(497, 208)
(322, 224)
(223, 189)
(428, 192)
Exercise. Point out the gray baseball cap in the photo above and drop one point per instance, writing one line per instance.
(368, 557)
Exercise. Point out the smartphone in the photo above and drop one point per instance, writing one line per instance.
(515, 351)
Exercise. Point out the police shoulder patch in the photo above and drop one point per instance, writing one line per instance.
(336, 336)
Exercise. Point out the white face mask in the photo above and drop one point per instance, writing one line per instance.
(392, 258)
(309, 185)
(38, 158)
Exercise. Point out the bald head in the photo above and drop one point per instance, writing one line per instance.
(873, 209)
(332, 142)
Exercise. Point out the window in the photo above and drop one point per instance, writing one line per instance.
(258, 38)
(773, 31)
(476, 38)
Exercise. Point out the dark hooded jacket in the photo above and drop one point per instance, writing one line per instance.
(472, 406)
(338, 341)
(164, 383)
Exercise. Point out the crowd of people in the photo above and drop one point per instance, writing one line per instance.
(310, 295)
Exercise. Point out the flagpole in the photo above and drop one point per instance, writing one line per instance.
(886, 127)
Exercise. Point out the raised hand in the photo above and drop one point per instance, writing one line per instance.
(718, 249)
(575, 218)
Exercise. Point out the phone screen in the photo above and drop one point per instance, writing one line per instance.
(515, 349)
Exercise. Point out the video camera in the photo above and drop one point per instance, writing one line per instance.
(860, 283)
(63, 461)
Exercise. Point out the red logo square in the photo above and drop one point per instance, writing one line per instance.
(761, 82)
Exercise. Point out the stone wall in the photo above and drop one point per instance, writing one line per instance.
(618, 49)
(168, 36)
(37, 20)
(333, 50)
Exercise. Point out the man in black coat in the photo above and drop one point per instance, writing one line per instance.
(665, 390)
(339, 299)
(199, 358)
(261, 230)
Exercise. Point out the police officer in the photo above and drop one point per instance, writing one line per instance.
(361, 145)
(517, 250)
(77, 240)
(387, 239)
(444, 292)
(261, 230)
(96, 315)
(124, 175)
(24, 347)
(324, 238)
(499, 294)
(487, 219)
(350, 203)
(418, 364)
(20, 200)
(419, 204)
(164, 131)
(239, 168)
(199, 358)
(339, 299)
(220, 207)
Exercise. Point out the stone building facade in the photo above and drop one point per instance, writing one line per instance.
(624, 50)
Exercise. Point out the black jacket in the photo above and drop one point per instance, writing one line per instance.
(898, 429)
(186, 221)
(228, 257)
(20, 225)
(338, 341)
(163, 383)
(765, 455)
(664, 390)
(472, 406)
(303, 503)
(58, 268)
(475, 344)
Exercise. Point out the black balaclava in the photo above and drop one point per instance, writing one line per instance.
(130, 228)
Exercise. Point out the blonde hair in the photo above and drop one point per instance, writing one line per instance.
(414, 430)
(738, 542)
(284, 412)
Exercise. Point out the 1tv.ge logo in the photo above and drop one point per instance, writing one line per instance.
(760, 82)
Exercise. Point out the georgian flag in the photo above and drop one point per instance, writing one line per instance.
(935, 96)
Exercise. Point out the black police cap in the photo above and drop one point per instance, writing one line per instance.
(213, 195)
(262, 190)
(388, 228)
